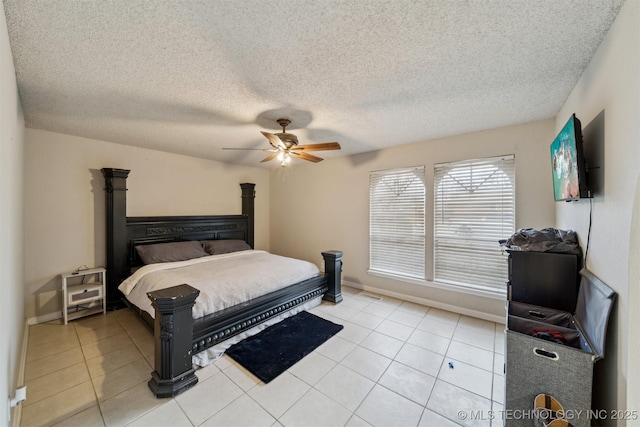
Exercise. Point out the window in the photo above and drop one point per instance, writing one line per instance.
(474, 207)
(396, 222)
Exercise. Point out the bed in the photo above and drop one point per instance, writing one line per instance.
(179, 332)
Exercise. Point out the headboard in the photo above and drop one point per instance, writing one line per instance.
(165, 229)
(125, 233)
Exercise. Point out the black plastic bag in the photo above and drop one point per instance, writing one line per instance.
(545, 240)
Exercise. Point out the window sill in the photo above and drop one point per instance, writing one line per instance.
(499, 294)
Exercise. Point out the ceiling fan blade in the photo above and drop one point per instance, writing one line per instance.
(274, 140)
(269, 157)
(317, 147)
(305, 156)
(255, 149)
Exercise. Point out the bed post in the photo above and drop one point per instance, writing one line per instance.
(173, 331)
(333, 269)
(116, 219)
(248, 203)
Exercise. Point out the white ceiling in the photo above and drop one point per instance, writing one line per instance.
(192, 77)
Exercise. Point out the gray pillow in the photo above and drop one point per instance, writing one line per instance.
(216, 247)
(170, 252)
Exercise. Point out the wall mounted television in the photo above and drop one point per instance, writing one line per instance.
(568, 164)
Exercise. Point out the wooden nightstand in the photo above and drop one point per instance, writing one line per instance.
(81, 299)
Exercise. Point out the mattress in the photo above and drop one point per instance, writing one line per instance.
(223, 280)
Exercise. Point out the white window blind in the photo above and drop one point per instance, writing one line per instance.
(474, 207)
(396, 222)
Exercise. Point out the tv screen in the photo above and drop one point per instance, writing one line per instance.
(567, 163)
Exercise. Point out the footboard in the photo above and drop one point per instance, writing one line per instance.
(178, 336)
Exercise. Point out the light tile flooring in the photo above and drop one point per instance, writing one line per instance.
(395, 363)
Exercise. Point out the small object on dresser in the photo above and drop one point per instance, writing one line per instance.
(81, 299)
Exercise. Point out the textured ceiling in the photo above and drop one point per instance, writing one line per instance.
(192, 77)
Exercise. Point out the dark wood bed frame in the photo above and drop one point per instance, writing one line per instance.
(177, 335)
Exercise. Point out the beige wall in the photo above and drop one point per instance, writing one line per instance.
(64, 202)
(612, 83)
(633, 318)
(11, 229)
(326, 205)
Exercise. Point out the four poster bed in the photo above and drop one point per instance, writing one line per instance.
(181, 327)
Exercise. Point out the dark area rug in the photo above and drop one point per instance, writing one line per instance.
(275, 349)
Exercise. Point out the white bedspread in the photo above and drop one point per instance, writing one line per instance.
(223, 280)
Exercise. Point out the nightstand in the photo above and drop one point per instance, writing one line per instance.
(81, 299)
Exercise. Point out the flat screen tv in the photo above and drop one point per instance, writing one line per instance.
(567, 163)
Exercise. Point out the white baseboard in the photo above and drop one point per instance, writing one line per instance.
(429, 303)
(43, 319)
(16, 411)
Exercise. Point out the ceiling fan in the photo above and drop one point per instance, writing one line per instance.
(284, 146)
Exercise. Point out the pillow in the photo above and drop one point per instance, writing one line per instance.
(170, 252)
(216, 247)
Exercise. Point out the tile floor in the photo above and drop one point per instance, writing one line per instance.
(395, 363)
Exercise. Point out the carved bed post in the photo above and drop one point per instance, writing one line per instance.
(116, 222)
(333, 269)
(248, 203)
(173, 331)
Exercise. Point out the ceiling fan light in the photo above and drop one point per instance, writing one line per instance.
(284, 145)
